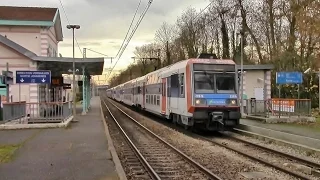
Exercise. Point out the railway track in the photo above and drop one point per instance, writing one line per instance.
(294, 166)
(308, 163)
(150, 156)
(302, 169)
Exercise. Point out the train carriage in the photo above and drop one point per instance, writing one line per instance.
(199, 92)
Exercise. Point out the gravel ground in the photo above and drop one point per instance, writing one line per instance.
(281, 148)
(261, 154)
(225, 163)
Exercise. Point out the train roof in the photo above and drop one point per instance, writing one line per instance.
(181, 64)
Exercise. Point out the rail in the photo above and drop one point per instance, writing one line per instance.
(258, 159)
(143, 160)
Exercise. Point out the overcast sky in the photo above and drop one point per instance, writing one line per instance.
(104, 23)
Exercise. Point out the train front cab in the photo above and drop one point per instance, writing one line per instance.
(214, 98)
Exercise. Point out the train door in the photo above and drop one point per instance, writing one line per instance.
(164, 96)
(174, 91)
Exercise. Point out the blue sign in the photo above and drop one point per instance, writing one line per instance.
(37, 77)
(289, 78)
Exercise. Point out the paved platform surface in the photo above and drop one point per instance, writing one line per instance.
(76, 153)
(297, 130)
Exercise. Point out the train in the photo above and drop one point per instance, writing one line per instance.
(194, 93)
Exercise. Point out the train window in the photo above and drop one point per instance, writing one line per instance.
(181, 85)
(147, 99)
(204, 83)
(225, 83)
(139, 89)
(158, 100)
(174, 81)
(151, 97)
(154, 99)
(169, 86)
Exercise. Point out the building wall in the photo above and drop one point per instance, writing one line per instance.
(28, 37)
(41, 41)
(252, 83)
(257, 84)
(16, 62)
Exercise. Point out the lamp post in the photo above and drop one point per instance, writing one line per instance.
(73, 27)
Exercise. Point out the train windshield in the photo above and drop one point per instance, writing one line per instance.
(205, 82)
(225, 83)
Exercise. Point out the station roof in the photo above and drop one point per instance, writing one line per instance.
(32, 16)
(58, 65)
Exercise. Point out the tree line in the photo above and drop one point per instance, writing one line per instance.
(284, 33)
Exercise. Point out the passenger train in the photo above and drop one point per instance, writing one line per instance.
(199, 92)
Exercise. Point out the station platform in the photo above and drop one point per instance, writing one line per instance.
(288, 128)
(296, 135)
(80, 151)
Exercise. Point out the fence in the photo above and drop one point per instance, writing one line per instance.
(14, 110)
(54, 112)
(278, 107)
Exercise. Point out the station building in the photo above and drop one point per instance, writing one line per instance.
(29, 38)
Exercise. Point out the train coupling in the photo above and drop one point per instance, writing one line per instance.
(215, 121)
(217, 117)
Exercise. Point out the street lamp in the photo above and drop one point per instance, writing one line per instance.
(73, 70)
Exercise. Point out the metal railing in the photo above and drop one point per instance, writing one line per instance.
(13, 110)
(49, 112)
(53, 112)
(278, 107)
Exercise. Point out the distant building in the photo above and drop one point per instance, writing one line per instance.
(26, 32)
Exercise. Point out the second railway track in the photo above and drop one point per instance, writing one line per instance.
(157, 158)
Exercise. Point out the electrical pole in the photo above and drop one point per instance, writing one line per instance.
(241, 70)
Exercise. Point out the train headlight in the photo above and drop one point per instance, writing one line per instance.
(232, 102)
(200, 102)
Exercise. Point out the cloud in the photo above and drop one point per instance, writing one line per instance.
(104, 23)
(85, 44)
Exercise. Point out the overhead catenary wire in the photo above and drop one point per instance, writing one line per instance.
(137, 25)
(132, 34)
(97, 52)
(198, 15)
(134, 16)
